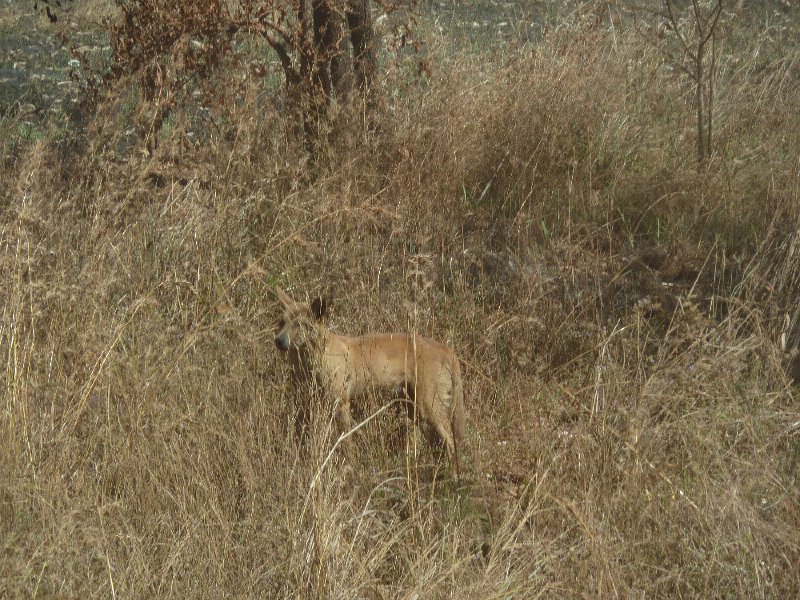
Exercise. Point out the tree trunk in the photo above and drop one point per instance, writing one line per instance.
(326, 70)
(359, 19)
(330, 45)
(712, 78)
(700, 97)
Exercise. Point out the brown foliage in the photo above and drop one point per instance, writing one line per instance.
(632, 428)
(183, 53)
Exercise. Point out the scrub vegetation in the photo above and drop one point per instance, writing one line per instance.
(524, 183)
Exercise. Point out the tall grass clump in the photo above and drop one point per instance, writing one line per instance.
(627, 324)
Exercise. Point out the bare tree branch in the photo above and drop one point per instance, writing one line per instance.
(675, 27)
(716, 14)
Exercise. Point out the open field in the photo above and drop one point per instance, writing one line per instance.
(627, 322)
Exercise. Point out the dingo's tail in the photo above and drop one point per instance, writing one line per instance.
(457, 411)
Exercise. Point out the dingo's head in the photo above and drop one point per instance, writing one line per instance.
(297, 326)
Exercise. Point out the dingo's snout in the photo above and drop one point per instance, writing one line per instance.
(283, 341)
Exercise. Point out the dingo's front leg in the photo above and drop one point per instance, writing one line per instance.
(344, 420)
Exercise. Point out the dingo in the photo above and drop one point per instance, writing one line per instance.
(422, 371)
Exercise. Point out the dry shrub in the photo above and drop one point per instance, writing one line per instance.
(627, 435)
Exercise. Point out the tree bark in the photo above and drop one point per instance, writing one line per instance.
(327, 71)
(700, 101)
(359, 19)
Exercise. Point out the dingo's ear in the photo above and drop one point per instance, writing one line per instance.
(283, 296)
(319, 307)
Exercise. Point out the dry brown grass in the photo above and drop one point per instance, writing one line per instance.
(631, 425)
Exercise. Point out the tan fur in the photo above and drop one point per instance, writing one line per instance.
(401, 365)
